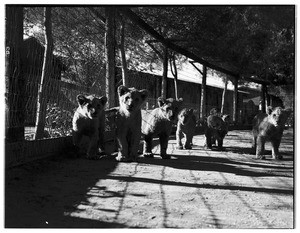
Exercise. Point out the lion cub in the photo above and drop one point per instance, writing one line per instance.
(185, 127)
(128, 122)
(216, 128)
(89, 120)
(269, 127)
(158, 122)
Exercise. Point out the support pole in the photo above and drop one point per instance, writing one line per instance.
(165, 74)
(203, 94)
(235, 101)
(263, 98)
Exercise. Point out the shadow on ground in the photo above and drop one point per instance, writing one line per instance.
(38, 195)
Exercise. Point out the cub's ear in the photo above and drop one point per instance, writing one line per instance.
(122, 90)
(81, 99)
(225, 117)
(161, 101)
(191, 111)
(269, 110)
(103, 100)
(144, 94)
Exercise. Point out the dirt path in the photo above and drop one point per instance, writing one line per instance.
(195, 189)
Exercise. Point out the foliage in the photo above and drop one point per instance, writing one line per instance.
(58, 121)
(249, 40)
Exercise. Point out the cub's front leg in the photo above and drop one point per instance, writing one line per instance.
(260, 147)
(188, 142)
(208, 137)
(121, 136)
(93, 146)
(148, 146)
(135, 142)
(178, 139)
(275, 149)
(76, 137)
(220, 143)
(163, 139)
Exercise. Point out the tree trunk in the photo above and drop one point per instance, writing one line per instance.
(123, 55)
(110, 56)
(14, 77)
(165, 74)
(224, 94)
(175, 74)
(43, 88)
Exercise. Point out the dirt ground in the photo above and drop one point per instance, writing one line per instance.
(197, 188)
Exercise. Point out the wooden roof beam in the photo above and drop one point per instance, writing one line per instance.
(168, 43)
(142, 24)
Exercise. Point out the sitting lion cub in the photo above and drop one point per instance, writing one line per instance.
(89, 120)
(158, 122)
(269, 127)
(128, 122)
(185, 127)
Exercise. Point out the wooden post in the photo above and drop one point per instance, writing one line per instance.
(47, 69)
(268, 103)
(263, 98)
(203, 94)
(235, 101)
(15, 80)
(165, 74)
(110, 56)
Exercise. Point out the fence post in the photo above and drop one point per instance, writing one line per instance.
(14, 76)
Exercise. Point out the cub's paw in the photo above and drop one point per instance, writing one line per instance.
(148, 155)
(179, 147)
(220, 148)
(165, 156)
(100, 152)
(124, 159)
(207, 147)
(94, 157)
(260, 157)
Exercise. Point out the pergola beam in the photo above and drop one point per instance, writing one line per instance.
(142, 24)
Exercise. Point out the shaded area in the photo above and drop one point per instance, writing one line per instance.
(56, 186)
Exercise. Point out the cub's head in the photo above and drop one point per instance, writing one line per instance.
(214, 122)
(213, 112)
(131, 99)
(278, 116)
(91, 106)
(169, 107)
(186, 115)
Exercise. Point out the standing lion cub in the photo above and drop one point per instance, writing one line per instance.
(158, 122)
(128, 122)
(269, 127)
